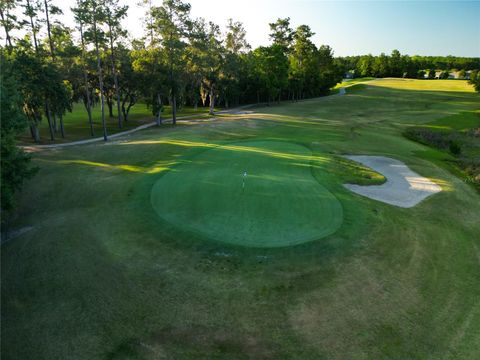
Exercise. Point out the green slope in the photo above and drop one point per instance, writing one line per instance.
(280, 204)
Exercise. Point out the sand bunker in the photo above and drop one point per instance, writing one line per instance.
(403, 187)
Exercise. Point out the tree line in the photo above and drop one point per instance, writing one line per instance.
(398, 65)
(179, 61)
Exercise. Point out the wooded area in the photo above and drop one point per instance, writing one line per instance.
(398, 65)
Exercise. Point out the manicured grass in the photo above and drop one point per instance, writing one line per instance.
(351, 82)
(278, 203)
(77, 127)
(427, 85)
(463, 121)
(98, 274)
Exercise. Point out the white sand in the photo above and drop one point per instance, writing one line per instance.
(403, 187)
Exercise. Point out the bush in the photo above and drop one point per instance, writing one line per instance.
(421, 74)
(455, 148)
(426, 136)
(444, 75)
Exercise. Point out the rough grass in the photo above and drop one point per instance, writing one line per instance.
(458, 135)
(100, 276)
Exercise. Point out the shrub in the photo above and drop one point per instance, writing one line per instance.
(421, 74)
(455, 148)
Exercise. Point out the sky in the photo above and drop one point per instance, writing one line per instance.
(349, 27)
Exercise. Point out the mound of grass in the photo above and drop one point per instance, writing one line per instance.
(278, 203)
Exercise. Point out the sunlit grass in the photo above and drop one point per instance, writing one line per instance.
(199, 144)
(132, 168)
(426, 85)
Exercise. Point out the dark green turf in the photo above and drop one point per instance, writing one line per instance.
(92, 272)
(281, 203)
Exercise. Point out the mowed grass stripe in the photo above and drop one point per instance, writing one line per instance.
(281, 203)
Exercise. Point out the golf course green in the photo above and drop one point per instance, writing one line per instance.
(150, 247)
(276, 203)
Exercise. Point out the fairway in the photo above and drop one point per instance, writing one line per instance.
(149, 246)
(280, 203)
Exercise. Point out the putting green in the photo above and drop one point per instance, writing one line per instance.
(281, 204)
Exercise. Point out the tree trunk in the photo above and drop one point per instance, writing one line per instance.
(50, 41)
(110, 106)
(258, 97)
(89, 112)
(115, 77)
(159, 113)
(50, 127)
(174, 109)
(100, 80)
(61, 126)
(8, 40)
(55, 125)
(35, 132)
(88, 105)
(124, 111)
(130, 104)
(212, 102)
(34, 32)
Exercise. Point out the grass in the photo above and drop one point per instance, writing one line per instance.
(350, 82)
(279, 185)
(77, 127)
(98, 274)
(458, 135)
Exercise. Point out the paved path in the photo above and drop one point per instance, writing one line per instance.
(404, 187)
(236, 111)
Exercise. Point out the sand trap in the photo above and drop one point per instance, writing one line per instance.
(403, 187)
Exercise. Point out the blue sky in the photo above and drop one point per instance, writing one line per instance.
(360, 27)
(349, 27)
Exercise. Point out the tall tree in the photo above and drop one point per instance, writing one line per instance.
(281, 34)
(8, 20)
(151, 72)
(172, 24)
(91, 15)
(114, 13)
(49, 10)
(27, 71)
(208, 48)
(236, 47)
(31, 10)
(301, 56)
(80, 17)
(15, 164)
(272, 67)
